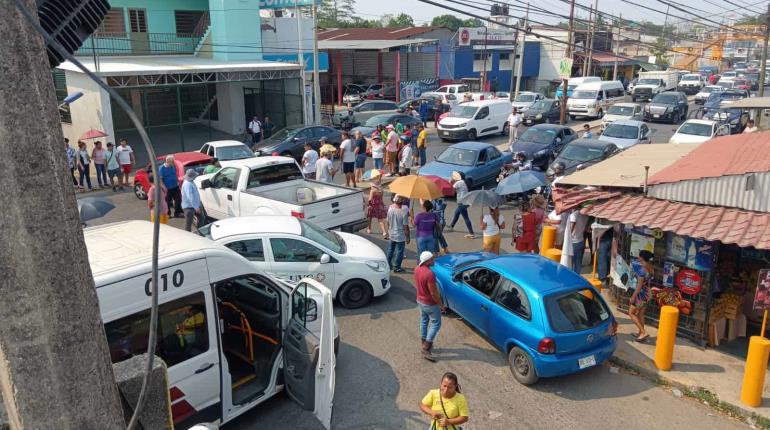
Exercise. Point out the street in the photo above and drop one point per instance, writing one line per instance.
(381, 376)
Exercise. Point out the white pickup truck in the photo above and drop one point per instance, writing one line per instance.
(276, 186)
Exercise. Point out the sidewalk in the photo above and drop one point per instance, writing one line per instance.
(694, 367)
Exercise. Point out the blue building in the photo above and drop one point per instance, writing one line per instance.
(470, 61)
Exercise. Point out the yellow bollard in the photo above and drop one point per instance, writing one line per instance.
(548, 239)
(754, 372)
(596, 284)
(664, 346)
(553, 254)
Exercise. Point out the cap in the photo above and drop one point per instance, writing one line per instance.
(389, 127)
(377, 137)
(190, 174)
(425, 256)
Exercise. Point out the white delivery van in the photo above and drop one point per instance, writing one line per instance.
(573, 83)
(456, 89)
(473, 119)
(593, 98)
(231, 338)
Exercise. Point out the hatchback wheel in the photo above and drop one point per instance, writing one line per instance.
(522, 367)
(139, 192)
(355, 294)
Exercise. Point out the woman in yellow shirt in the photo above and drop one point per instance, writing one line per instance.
(446, 406)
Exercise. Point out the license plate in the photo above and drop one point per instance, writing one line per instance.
(586, 361)
(656, 116)
(445, 133)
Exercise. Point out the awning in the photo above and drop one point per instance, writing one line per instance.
(726, 225)
(565, 199)
(371, 45)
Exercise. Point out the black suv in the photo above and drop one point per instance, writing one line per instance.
(667, 106)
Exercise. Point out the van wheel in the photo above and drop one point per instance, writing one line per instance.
(572, 117)
(355, 294)
(522, 367)
(471, 134)
(506, 130)
(139, 192)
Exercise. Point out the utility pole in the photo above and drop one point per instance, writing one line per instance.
(763, 62)
(513, 89)
(595, 12)
(484, 71)
(521, 56)
(617, 49)
(55, 369)
(587, 42)
(301, 61)
(316, 80)
(567, 54)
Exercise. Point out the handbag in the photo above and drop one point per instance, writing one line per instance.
(435, 423)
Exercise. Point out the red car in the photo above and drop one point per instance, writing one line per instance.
(183, 161)
(742, 84)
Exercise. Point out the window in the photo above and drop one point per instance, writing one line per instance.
(513, 298)
(505, 57)
(574, 311)
(251, 249)
(187, 21)
(385, 106)
(182, 332)
(114, 23)
(303, 308)
(493, 153)
(294, 251)
(60, 85)
(482, 280)
(483, 113)
(305, 134)
(365, 107)
(205, 148)
(137, 19)
(226, 178)
(274, 174)
(322, 131)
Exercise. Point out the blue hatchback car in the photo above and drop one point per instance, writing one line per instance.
(548, 319)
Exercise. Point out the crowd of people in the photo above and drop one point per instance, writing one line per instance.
(111, 165)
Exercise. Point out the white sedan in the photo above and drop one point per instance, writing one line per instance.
(353, 268)
(225, 150)
(699, 131)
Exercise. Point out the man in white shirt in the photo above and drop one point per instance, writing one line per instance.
(578, 223)
(348, 157)
(514, 121)
(309, 160)
(255, 129)
(750, 127)
(324, 168)
(126, 160)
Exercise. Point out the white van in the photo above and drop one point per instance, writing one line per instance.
(593, 98)
(473, 119)
(573, 83)
(456, 89)
(230, 338)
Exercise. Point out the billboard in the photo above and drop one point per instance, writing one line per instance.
(481, 35)
(285, 4)
(413, 89)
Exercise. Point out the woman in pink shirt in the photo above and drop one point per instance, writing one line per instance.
(391, 150)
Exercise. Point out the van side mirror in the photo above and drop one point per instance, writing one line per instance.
(325, 259)
(206, 183)
(311, 310)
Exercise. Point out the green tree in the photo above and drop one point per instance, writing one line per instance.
(472, 22)
(335, 13)
(660, 50)
(449, 21)
(401, 20)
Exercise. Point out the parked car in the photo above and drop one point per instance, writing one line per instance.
(447, 99)
(225, 150)
(473, 119)
(691, 83)
(698, 131)
(548, 320)
(715, 99)
(581, 153)
(182, 161)
(736, 118)
(352, 267)
(480, 162)
(546, 110)
(704, 93)
(670, 106)
(592, 99)
(276, 186)
(290, 141)
(620, 111)
(354, 94)
(541, 143)
(371, 124)
(742, 84)
(363, 111)
(626, 133)
(526, 99)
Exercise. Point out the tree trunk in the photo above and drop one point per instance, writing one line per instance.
(55, 370)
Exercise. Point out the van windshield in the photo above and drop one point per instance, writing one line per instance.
(575, 311)
(584, 94)
(648, 82)
(525, 98)
(328, 239)
(461, 111)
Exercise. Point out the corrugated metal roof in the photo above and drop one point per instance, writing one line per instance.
(727, 155)
(565, 199)
(752, 103)
(749, 192)
(386, 33)
(626, 169)
(370, 44)
(729, 226)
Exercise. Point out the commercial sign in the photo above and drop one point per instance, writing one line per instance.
(693, 253)
(413, 89)
(762, 296)
(565, 68)
(688, 281)
(488, 36)
(285, 4)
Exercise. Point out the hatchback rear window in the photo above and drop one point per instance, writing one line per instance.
(575, 311)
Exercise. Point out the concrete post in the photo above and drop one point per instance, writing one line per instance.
(55, 370)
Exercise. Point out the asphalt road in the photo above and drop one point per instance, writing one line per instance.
(381, 376)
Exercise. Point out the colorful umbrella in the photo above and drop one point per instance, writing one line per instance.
(328, 148)
(416, 187)
(371, 174)
(442, 184)
(486, 198)
(93, 134)
(520, 182)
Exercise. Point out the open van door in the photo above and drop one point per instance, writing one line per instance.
(309, 362)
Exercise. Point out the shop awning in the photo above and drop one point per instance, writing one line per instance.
(565, 199)
(726, 225)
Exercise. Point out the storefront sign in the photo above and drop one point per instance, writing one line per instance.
(688, 281)
(640, 242)
(486, 36)
(693, 253)
(565, 68)
(285, 4)
(762, 296)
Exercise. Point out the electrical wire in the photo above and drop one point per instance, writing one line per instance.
(152, 338)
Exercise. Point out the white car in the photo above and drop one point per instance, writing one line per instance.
(620, 111)
(225, 150)
(353, 268)
(526, 99)
(705, 92)
(699, 131)
(625, 133)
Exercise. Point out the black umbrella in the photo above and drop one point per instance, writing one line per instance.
(94, 207)
(481, 198)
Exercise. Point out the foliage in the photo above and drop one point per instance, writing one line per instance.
(454, 23)
(400, 20)
(336, 13)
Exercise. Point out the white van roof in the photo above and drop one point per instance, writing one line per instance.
(482, 103)
(121, 245)
(584, 79)
(595, 86)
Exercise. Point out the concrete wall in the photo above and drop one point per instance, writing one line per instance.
(235, 29)
(551, 53)
(232, 112)
(279, 35)
(91, 110)
(445, 39)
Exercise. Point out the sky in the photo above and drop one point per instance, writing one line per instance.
(421, 12)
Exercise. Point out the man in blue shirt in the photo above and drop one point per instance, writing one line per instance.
(191, 201)
(170, 180)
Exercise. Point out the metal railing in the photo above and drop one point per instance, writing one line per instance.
(140, 44)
